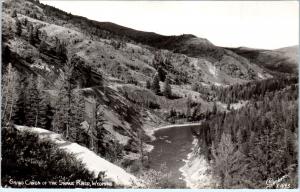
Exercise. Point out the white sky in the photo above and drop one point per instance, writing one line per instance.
(257, 24)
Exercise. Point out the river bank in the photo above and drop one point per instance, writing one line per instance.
(197, 172)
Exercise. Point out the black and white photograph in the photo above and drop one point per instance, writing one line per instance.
(149, 94)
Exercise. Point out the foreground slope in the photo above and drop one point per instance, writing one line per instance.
(91, 161)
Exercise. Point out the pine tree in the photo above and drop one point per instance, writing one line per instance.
(224, 159)
(148, 84)
(43, 46)
(196, 112)
(32, 102)
(25, 21)
(10, 33)
(214, 110)
(99, 117)
(76, 115)
(69, 106)
(228, 106)
(44, 111)
(14, 13)
(40, 103)
(61, 50)
(20, 107)
(155, 84)
(9, 94)
(36, 33)
(167, 88)
(18, 27)
(31, 39)
(161, 74)
(49, 116)
(188, 107)
(141, 147)
(63, 105)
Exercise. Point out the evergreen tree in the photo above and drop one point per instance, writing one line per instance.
(25, 21)
(196, 112)
(76, 115)
(63, 105)
(43, 46)
(148, 84)
(70, 105)
(161, 74)
(10, 33)
(188, 106)
(155, 84)
(9, 94)
(45, 111)
(228, 106)
(49, 116)
(20, 107)
(36, 33)
(167, 88)
(18, 27)
(14, 13)
(31, 39)
(61, 50)
(99, 117)
(224, 158)
(31, 105)
(32, 102)
(215, 109)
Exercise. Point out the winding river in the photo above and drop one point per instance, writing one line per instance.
(171, 147)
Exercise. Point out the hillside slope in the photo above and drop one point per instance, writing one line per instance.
(232, 67)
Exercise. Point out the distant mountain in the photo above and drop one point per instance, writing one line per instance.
(291, 52)
(281, 60)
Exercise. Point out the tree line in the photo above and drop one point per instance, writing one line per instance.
(253, 90)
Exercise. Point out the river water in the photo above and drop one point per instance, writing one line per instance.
(171, 147)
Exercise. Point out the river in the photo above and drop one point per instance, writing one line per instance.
(171, 147)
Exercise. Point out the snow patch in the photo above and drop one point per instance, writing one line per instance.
(91, 160)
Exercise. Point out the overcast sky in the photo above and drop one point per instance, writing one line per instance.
(268, 24)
